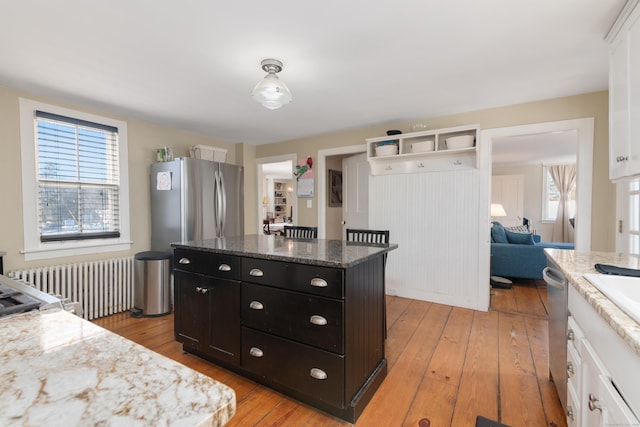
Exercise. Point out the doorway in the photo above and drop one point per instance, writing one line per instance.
(324, 158)
(276, 191)
(583, 131)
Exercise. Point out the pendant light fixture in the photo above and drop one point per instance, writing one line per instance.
(270, 91)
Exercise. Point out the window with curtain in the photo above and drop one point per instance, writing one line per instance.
(75, 182)
(77, 178)
(551, 197)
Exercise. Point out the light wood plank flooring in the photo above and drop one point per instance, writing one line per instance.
(446, 364)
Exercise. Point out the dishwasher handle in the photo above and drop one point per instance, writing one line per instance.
(553, 278)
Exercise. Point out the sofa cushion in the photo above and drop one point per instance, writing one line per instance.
(519, 238)
(518, 229)
(498, 234)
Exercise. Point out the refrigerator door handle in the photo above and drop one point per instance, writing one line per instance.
(223, 205)
(216, 201)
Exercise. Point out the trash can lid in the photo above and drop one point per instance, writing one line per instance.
(153, 255)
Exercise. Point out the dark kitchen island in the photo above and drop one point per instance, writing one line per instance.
(304, 317)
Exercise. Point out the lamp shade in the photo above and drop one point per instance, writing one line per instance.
(271, 92)
(497, 210)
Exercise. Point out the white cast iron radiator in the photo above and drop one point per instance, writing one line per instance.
(102, 287)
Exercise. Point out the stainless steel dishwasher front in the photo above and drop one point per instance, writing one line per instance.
(557, 293)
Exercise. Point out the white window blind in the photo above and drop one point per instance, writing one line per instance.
(77, 178)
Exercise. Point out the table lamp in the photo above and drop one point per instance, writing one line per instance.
(497, 210)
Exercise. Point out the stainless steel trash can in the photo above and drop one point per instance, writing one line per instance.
(152, 284)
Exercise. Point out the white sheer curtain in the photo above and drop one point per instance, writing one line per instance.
(564, 177)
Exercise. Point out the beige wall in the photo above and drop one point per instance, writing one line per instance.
(143, 140)
(246, 155)
(145, 137)
(580, 106)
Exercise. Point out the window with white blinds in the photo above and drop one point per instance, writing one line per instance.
(75, 182)
(77, 178)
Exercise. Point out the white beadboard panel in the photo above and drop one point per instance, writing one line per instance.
(433, 217)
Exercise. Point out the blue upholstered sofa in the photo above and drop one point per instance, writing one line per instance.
(519, 255)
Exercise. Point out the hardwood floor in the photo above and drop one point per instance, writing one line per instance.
(446, 364)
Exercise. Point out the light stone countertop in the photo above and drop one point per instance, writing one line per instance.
(57, 369)
(574, 264)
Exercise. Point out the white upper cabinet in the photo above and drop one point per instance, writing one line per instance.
(425, 151)
(624, 96)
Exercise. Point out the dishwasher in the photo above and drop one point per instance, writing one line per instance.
(557, 294)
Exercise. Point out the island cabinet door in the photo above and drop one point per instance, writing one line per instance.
(306, 318)
(293, 367)
(207, 315)
(191, 309)
(223, 324)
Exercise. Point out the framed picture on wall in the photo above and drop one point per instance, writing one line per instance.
(335, 188)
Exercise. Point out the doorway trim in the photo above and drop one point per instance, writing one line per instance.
(293, 157)
(584, 162)
(322, 180)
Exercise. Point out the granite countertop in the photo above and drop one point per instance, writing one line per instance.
(574, 264)
(60, 370)
(327, 253)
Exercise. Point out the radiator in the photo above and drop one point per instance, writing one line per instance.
(102, 287)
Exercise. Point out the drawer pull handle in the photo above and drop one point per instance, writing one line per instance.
(593, 403)
(318, 282)
(224, 267)
(570, 369)
(256, 272)
(256, 352)
(256, 305)
(571, 336)
(201, 290)
(318, 374)
(184, 261)
(318, 320)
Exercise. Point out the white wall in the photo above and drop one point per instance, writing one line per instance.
(532, 196)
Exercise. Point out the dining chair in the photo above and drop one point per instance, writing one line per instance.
(377, 237)
(299, 232)
(367, 236)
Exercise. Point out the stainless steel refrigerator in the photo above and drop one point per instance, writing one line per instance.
(193, 199)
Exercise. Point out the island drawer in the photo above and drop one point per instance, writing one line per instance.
(306, 370)
(323, 281)
(209, 263)
(310, 319)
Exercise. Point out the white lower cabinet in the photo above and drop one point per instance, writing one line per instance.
(574, 373)
(573, 408)
(601, 401)
(602, 386)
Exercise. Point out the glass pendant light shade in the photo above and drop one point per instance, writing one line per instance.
(270, 91)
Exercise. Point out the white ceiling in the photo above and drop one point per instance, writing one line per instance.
(278, 170)
(547, 148)
(349, 63)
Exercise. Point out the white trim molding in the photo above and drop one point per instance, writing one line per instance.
(584, 162)
(321, 173)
